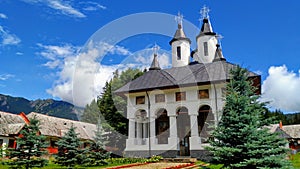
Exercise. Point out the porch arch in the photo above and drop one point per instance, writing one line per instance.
(205, 121)
(183, 131)
(162, 126)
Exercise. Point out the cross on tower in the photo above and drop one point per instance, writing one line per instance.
(219, 37)
(204, 12)
(155, 49)
(179, 18)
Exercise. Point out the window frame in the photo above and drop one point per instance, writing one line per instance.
(201, 94)
(180, 96)
(160, 98)
(140, 100)
(205, 48)
(178, 52)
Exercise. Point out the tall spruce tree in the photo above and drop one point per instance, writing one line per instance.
(240, 139)
(96, 154)
(69, 152)
(31, 147)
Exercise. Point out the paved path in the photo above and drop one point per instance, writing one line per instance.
(156, 165)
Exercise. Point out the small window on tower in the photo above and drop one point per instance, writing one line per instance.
(205, 49)
(178, 53)
(140, 100)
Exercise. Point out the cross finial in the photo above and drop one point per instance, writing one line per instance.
(179, 18)
(155, 49)
(219, 37)
(204, 12)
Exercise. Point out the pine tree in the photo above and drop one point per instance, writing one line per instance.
(113, 109)
(240, 139)
(90, 112)
(69, 152)
(96, 153)
(31, 147)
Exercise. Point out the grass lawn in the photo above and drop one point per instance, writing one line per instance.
(56, 166)
(296, 160)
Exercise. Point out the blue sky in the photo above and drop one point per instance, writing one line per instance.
(48, 46)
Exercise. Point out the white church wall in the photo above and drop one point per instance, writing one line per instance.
(192, 103)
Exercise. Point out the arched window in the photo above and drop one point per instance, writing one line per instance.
(162, 126)
(205, 122)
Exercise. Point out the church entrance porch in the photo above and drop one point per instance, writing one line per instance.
(183, 131)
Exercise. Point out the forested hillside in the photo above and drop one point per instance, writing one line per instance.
(49, 106)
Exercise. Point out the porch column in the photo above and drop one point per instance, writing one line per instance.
(139, 130)
(131, 128)
(194, 125)
(173, 126)
(152, 127)
(145, 129)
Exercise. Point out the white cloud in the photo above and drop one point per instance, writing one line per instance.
(92, 6)
(3, 16)
(19, 53)
(145, 57)
(81, 77)
(63, 7)
(8, 38)
(282, 89)
(4, 77)
(56, 54)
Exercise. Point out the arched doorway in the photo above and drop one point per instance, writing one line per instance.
(205, 122)
(162, 126)
(183, 131)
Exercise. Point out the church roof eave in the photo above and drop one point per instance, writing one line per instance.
(180, 38)
(176, 77)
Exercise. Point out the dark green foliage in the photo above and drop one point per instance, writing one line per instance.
(31, 147)
(240, 140)
(113, 108)
(90, 113)
(96, 154)
(292, 118)
(69, 152)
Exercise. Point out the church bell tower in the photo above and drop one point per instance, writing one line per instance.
(206, 40)
(180, 46)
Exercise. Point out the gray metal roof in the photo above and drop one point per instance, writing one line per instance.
(292, 130)
(190, 75)
(206, 28)
(57, 127)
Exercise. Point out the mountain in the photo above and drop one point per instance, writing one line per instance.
(48, 106)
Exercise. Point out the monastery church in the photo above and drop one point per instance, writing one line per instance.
(170, 110)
